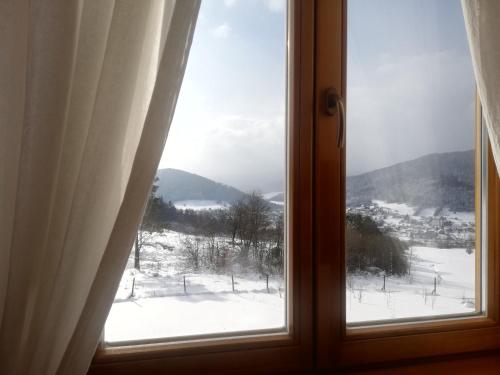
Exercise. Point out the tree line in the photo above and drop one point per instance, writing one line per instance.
(368, 249)
(252, 233)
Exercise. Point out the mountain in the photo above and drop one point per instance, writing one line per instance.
(435, 180)
(277, 197)
(176, 185)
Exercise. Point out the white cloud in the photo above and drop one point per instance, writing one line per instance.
(249, 152)
(245, 152)
(222, 31)
(272, 5)
(276, 5)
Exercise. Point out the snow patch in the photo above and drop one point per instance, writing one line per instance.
(199, 205)
(400, 208)
(413, 295)
(270, 195)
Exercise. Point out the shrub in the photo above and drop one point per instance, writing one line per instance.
(368, 247)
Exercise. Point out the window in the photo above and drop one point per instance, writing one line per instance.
(411, 214)
(370, 52)
(320, 333)
(210, 255)
(257, 351)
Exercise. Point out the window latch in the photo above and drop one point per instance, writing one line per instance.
(335, 104)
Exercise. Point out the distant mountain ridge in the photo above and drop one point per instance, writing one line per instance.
(435, 180)
(176, 185)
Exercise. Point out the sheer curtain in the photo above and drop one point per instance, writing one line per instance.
(482, 21)
(87, 93)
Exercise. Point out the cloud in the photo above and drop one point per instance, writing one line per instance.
(276, 5)
(230, 3)
(249, 152)
(400, 108)
(272, 5)
(222, 31)
(245, 152)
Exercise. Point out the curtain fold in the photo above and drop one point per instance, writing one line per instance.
(87, 93)
(483, 31)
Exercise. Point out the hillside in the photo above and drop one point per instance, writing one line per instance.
(435, 180)
(277, 197)
(176, 185)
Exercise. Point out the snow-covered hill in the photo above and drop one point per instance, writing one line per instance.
(175, 185)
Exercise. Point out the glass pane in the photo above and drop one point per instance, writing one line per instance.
(209, 257)
(411, 247)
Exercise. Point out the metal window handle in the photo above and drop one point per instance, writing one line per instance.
(335, 104)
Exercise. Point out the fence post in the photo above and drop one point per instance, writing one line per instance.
(435, 284)
(383, 288)
(133, 286)
(232, 281)
(185, 291)
(267, 283)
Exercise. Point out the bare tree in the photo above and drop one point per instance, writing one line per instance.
(275, 255)
(150, 223)
(192, 252)
(142, 237)
(254, 221)
(257, 218)
(236, 218)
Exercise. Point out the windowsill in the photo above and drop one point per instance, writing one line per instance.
(473, 363)
(200, 346)
(410, 327)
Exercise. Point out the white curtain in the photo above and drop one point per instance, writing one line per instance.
(87, 93)
(482, 21)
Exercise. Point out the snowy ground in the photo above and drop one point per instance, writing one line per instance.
(194, 314)
(413, 296)
(199, 205)
(160, 307)
(404, 209)
(400, 208)
(271, 194)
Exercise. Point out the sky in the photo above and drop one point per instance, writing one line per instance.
(410, 83)
(410, 89)
(229, 123)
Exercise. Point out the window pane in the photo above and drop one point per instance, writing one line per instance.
(209, 257)
(411, 247)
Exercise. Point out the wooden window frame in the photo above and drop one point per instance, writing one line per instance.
(317, 337)
(353, 348)
(258, 353)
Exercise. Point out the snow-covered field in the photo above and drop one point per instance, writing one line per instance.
(413, 295)
(404, 209)
(194, 314)
(271, 194)
(171, 300)
(199, 205)
(400, 208)
(160, 307)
